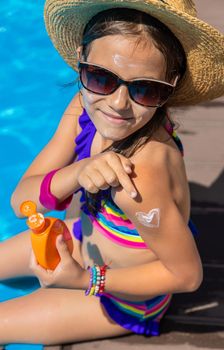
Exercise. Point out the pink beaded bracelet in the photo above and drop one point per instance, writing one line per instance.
(47, 199)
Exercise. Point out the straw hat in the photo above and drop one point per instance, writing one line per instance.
(204, 45)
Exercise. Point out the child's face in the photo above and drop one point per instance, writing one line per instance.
(124, 58)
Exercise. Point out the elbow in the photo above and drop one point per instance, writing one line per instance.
(193, 282)
(14, 206)
(194, 285)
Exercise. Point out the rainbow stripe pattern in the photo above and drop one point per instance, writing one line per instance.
(141, 317)
(114, 224)
(150, 309)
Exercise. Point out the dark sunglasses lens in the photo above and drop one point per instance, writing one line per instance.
(151, 94)
(97, 80)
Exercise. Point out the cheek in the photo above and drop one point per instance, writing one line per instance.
(90, 99)
(140, 114)
(143, 114)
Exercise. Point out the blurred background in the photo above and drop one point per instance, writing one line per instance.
(32, 101)
(202, 133)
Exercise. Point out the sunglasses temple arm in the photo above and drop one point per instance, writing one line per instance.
(175, 81)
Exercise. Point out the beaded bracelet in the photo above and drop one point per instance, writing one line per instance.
(97, 280)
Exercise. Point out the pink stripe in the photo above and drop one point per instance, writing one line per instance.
(143, 307)
(118, 220)
(119, 240)
(158, 318)
(157, 306)
(139, 307)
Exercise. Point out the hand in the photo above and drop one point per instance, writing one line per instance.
(67, 274)
(104, 170)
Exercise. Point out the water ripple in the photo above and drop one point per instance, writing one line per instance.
(32, 101)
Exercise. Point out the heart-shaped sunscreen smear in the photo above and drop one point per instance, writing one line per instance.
(150, 219)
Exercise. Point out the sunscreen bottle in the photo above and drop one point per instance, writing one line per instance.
(44, 231)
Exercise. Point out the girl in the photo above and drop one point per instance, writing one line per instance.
(133, 245)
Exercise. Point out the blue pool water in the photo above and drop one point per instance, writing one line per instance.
(32, 102)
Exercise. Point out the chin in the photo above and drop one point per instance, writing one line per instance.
(115, 137)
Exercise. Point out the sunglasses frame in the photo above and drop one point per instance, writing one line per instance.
(125, 82)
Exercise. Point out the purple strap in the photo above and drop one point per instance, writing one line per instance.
(84, 140)
(83, 145)
(83, 149)
(47, 199)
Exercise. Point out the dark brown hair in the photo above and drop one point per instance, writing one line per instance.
(139, 26)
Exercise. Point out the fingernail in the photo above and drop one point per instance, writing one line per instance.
(128, 169)
(133, 194)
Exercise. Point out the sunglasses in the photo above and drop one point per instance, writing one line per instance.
(146, 92)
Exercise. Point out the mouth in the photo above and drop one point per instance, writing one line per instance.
(115, 118)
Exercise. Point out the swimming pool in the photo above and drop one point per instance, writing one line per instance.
(32, 103)
(32, 100)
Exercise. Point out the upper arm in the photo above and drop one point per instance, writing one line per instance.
(172, 240)
(60, 150)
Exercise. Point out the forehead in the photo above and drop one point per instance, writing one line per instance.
(128, 56)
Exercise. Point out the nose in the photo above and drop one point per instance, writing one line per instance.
(119, 99)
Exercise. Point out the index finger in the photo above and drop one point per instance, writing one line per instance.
(123, 178)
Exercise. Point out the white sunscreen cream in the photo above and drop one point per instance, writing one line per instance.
(150, 219)
(126, 62)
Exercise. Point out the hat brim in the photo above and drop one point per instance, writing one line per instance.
(203, 44)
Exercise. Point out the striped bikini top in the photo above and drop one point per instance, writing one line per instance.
(110, 220)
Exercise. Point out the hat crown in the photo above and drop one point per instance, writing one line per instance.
(187, 6)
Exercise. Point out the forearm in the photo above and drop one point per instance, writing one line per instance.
(143, 281)
(63, 184)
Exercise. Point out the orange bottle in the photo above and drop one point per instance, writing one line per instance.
(44, 231)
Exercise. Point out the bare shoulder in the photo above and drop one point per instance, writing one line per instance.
(153, 163)
(159, 157)
(163, 157)
(167, 163)
(159, 172)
